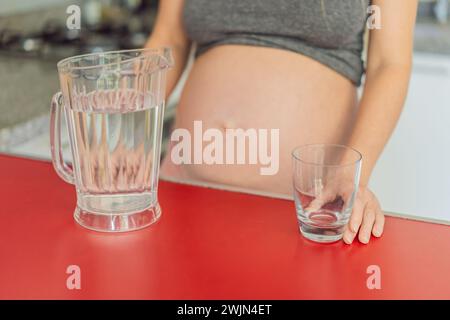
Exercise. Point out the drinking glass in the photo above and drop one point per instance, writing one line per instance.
(325, 178)
(113, 103)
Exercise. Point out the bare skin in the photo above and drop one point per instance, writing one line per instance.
(254, 87)
(218, 93)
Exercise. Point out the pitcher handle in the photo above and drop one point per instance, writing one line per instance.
(62, 169)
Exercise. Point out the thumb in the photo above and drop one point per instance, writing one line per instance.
(325, 196)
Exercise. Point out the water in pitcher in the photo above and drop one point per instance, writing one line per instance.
(115, 145)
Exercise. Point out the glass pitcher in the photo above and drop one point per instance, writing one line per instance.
(113, 103)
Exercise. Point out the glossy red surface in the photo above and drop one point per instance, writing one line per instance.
(209, 244)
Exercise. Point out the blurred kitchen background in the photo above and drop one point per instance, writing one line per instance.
(412, 177)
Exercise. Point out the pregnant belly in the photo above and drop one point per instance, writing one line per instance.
(246, 87)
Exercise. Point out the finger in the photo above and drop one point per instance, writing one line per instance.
(357, 215)
(352, 227)
(378, 227)
(367, 224)
(324, 197)
(349, 235)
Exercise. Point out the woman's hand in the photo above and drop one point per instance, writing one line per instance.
(366, 217)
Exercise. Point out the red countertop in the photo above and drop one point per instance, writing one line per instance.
(208, 244)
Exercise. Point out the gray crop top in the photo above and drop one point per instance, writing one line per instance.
(329, 31)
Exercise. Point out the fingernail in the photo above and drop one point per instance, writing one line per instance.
(348, 238)
(376, 233)
(364, 239)
(354, 227)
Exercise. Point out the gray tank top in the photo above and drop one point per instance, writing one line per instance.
(329, 31)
